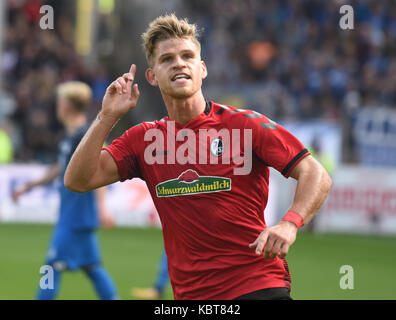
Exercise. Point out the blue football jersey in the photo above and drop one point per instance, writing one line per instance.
(77, 210)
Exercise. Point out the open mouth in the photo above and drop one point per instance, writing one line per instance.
(181, 76)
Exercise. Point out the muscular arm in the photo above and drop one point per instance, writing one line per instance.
(90, 167)
(313, 185)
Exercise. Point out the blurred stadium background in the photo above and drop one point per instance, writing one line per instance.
(290, 60)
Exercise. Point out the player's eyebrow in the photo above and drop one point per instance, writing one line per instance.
(190, 51)
(165, 55)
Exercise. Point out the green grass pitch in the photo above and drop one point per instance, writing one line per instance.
(131, 256)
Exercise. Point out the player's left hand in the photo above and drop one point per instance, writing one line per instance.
(275, 240)
(106, 220)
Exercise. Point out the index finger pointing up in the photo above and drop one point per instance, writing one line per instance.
(132, 70)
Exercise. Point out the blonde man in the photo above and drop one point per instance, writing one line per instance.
(210, 202)
(74, 244)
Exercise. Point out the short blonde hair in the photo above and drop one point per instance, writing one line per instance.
(79, 94)
(164, 28)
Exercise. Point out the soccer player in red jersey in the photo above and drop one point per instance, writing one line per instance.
(206, 166)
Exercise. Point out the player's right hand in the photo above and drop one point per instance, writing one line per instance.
(121, 96)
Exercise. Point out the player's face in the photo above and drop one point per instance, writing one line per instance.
(178, 69)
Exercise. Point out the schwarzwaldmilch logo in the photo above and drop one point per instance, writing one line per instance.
(189, 182)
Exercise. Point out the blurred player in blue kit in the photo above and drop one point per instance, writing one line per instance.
(74, 244)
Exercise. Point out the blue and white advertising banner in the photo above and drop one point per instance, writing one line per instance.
(374, 133)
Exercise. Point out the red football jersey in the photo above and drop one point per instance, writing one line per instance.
(211, 212)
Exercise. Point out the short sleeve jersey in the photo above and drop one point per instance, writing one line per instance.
(210, 212)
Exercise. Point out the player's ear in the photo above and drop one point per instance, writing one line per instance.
(150, 76)
(204, 70)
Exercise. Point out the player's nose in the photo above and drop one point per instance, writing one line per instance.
(178, 62)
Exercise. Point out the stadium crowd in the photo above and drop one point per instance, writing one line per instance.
(287, 59)
(295, 52)
(34, 62)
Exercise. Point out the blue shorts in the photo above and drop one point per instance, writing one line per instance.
(73, 249)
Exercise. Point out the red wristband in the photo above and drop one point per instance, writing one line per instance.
(295, 218)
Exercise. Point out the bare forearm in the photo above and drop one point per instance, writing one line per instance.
(50, 175)
(105, 216)
(85, 160)
(101, 198)
(312, 188)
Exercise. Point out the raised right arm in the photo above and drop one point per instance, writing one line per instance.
(90, 167)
